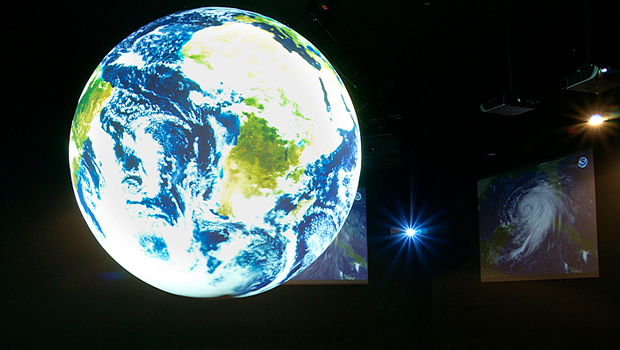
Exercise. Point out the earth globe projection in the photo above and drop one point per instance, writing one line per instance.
(215, 152)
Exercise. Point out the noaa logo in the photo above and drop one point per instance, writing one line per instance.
(583, 162)
(358, 197)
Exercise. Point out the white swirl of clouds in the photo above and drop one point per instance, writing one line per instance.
(533, 212)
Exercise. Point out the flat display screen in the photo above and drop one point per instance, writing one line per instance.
(539, 221)
(346, 260)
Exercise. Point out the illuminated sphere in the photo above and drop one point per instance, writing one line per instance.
(215, 152)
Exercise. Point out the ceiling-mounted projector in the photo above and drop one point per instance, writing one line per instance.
(592, 79)
(508, 104)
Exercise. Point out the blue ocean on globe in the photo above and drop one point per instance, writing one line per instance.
(215, 152)
(539, 221)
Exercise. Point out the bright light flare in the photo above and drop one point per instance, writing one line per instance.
(410, 232)
(407, 231)
(596, 119)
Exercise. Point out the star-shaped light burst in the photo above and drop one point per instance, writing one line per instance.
(415, 235)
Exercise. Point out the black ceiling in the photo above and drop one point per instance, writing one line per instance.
(417, 69)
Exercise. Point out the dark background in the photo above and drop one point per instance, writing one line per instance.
(417, 72)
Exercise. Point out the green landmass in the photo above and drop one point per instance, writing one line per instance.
(551, 170)
(296, 173)
(254, 165)
(490, 250)
(351, 253)
(578, 239)
(284, 101)
(198, 53)
(348, 277)
(483, 187)
(253, 102)
(90, 105)
(485, 184)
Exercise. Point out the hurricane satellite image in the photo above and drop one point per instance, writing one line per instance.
(539, 221)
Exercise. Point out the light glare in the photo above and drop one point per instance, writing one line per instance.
(596, 119)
